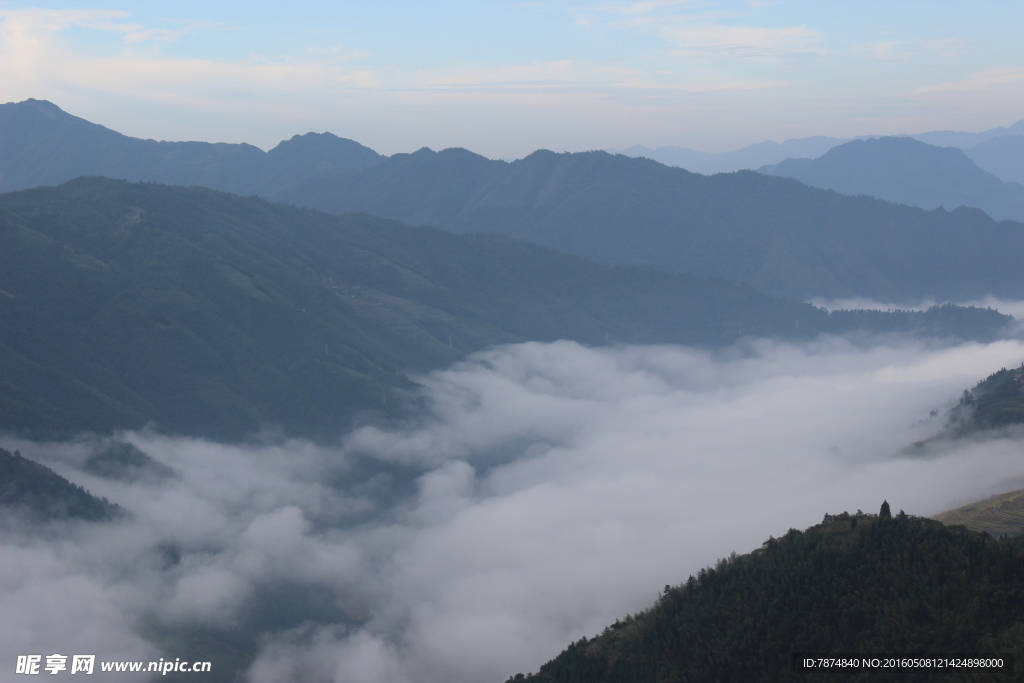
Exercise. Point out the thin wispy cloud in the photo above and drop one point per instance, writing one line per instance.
(557, 74)
(638, 7)
(140, 34)
(691, 34)
(574, 77)
(982, 80)
(29, 41)
(36, 25)
(570, 76)
(947, 47)
(743, 41)
(885, 50)
(33, 21)
(340, 52)
(895, 50)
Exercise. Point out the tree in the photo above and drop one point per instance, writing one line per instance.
(885, 512)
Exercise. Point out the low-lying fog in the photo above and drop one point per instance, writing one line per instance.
(551, 489)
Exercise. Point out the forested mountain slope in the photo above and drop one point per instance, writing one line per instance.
(773, 233)
(32, 490)
(854, 584)
(996, 401)
(213, 314)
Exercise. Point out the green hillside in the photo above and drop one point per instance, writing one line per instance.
(992, 406)
(36, 491)
(996, 401)
(861, 584)
(211, 314)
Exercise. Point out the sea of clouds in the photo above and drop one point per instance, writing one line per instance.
(547, 490)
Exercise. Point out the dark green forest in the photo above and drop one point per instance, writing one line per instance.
(854, 584)
(39, 493)
(124, 462)
(204, 313)
(996, 401)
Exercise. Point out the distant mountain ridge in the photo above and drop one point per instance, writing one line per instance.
(1003, 157)
(907, 171)
(1008, 167)
(746, 158)
(950, 138)
(40, 144)
(772, 233)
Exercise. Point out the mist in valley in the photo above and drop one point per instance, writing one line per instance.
(546, 490)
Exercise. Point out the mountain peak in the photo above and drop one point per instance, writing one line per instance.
(43, 106)
(907, 171)
(26, 111)
(325, 150)
(540, 155)
(460, 152)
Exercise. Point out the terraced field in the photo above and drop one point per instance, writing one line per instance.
(998, 515)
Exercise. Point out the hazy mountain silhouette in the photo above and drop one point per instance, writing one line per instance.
(773, 233)
(40, 144)
(1003, 157)
(769, 152)
(746, 158)
(907, 171)
(949, 138)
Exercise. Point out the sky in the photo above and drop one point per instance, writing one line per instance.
(550, 490)
(506, 78)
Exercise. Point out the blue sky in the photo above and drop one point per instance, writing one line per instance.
(505, 78)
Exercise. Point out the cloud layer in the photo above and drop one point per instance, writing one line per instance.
(548, 490)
